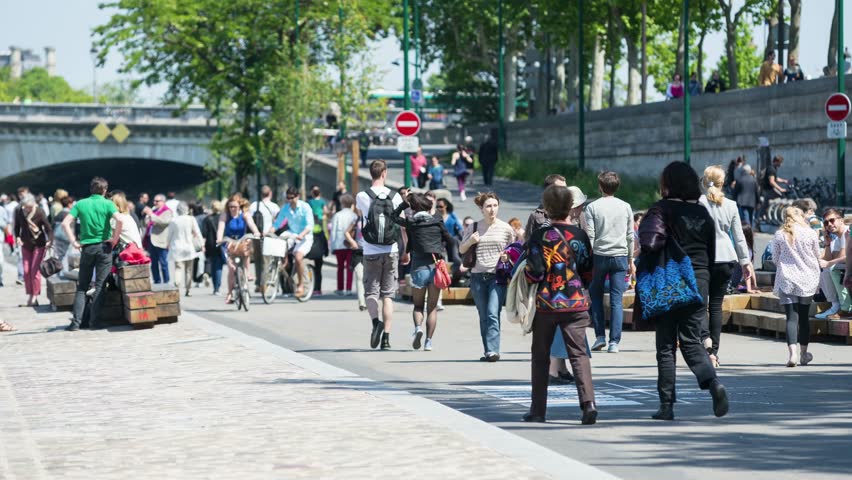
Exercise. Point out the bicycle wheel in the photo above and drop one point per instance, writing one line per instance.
(237, 293)
(244, 291)
(270, 286)
(308, 283)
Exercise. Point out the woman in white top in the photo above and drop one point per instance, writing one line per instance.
(184, 235)
(727, 225)
(490, 236)
(129, 229)
(795, 250)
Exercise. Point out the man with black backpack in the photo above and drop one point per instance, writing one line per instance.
(263, 213)
(381, 253)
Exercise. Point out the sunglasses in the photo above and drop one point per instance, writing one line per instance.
(829, 221)
(290, 197)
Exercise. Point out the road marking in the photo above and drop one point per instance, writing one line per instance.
(651, 394)
(557, 395)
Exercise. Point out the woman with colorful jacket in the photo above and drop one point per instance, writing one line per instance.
(559, 260)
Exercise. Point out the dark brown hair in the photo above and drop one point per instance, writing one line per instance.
(608, 182)
(831, 211)
(481, 198)
(377, 168)
(98, 186)
(553, 178)
(557, 201)
(419, 203)
(679, 180)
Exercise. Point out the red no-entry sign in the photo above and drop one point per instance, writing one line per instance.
(407, 123)
(837, 107)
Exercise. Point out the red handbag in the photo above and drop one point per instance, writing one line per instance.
(443, 279)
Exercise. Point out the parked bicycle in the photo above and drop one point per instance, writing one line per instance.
(238, 252)
(279, 275)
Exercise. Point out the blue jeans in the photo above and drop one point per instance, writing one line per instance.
(616, 267)
(159, 264)
(489, 298)
(216, 264)
(747, 215)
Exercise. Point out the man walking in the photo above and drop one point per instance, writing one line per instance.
(488, 156)
(609, 225)
(263, 213)
(157, 237)
(381, 253)
(95, 245)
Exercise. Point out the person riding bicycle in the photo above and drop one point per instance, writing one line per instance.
(234, 222)
(299, 219)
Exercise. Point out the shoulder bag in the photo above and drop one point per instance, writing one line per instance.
(443, 279)
(469, 257)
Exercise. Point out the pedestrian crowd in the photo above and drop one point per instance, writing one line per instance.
(682, 256)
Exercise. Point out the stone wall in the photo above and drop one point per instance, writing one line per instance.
(642, 139)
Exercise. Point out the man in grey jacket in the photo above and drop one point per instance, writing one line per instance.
(609, 225)
(157, 237)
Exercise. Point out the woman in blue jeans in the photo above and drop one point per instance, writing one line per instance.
(489, 236)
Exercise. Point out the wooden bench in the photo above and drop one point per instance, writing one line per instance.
(61, 292)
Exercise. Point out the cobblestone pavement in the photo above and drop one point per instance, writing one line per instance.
(179, 401)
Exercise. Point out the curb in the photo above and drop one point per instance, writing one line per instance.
(495, 438)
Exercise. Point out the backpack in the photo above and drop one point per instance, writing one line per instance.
(379, 228)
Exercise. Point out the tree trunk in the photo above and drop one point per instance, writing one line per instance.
(832, 44)
(795, 26)
(644, 34)
(572, 83)
(598, 67)
(612, 67)
(772, 38)
(634, 76)
(559, 99)
(681, 39)
(699, 70)
(510, 75)
(731, 50)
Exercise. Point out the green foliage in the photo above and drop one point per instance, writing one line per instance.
(37, 86)
(639, 192)
(121, 92)
(748, 59)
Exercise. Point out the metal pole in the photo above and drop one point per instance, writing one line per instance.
(781, 37)
(644, 50)
(300, 164)
(686, 120)
(581, 162)
(841, 87)
(343, 112)
(406, 100)
(219, 193)
(501, 82)
(419, 107)
(257, 164)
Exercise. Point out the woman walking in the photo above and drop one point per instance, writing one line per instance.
(462, 162)
(343, 242)
(488, 238)
(233, 224)
(428, 242)
(679, 224)
(215, 258)
(33, 232)
(795, 250)
(726, 220)
(559, 260)
(185, 245)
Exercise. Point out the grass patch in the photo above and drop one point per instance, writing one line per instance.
(639, 192)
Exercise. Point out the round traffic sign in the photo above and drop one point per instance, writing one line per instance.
(837, 107)
(407, 123)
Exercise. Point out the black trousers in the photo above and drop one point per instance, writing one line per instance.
(720, 278)
(683, 325)
(798, 321)
(94, 259)
(488, 172)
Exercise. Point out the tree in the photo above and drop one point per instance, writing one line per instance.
(832, 43)
(747, 62)
(37, 86)
(222, 51)
(121, 92)
(732, 19)
(795, 26)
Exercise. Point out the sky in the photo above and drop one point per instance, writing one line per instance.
(67, 25)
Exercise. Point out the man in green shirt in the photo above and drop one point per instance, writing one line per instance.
(96, 242)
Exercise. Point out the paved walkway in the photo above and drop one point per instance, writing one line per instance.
(200, 400)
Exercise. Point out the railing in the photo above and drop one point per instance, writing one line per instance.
(87, 113)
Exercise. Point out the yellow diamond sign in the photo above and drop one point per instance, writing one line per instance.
(101, 132)
(120, 132)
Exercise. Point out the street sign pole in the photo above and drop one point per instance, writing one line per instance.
(841, 88)
(686, 120)
(581, 162)
(406, 100)
(501, 108)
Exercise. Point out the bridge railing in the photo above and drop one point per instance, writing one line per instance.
(88, 113)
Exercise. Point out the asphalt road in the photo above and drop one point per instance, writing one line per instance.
(784, 423)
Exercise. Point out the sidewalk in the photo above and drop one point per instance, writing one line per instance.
(199, 400)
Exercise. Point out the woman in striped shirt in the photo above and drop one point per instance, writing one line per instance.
(490, 236)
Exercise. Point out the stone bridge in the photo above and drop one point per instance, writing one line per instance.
(136, 148)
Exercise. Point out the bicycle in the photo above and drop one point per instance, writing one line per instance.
(240, 294)
(279, 274)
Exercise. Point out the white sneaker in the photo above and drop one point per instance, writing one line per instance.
(599, 344)
(440, 307)
(206, 279)
(462, 196)
(339, 293)
(416, 338)
(428, 346)
(613, 348)
(835, 307)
